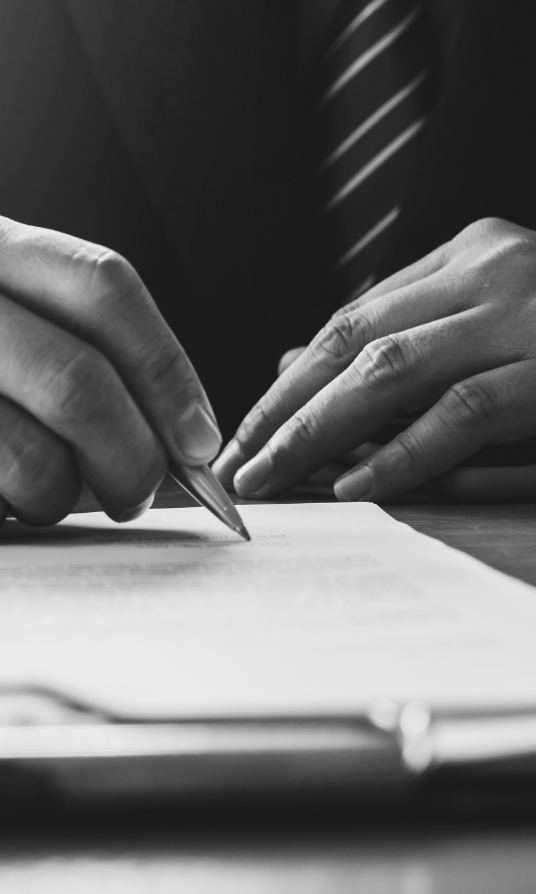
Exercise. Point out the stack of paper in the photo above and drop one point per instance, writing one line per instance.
(330, 607)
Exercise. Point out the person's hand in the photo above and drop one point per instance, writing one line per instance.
(94, 386)
(451, 338)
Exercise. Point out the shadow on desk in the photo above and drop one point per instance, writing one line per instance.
(221, 855)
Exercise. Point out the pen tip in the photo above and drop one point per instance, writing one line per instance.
(242, 530)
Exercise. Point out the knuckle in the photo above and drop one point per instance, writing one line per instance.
(13, 233)
(109, 274)
(341, 339)
(499, 228)
(490, 226)
(304, 428)
(34, 465)
(411, 447)
(259, 422)
(164, 364)
(488, 229)
(388, 360)
(77, 389)
(518, 252)
(500, 238)
(471, 404)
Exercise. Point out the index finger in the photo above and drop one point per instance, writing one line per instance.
(96, 294)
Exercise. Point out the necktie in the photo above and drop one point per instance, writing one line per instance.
(373, 90)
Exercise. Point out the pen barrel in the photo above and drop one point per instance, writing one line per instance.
(201, 483)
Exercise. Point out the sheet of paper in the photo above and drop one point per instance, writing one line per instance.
(329, 607)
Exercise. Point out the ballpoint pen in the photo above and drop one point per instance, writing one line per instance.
(204, 487)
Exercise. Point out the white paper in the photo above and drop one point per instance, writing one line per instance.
(329, 607)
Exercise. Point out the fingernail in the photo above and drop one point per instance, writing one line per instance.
(197, 435)
(252, 477)
(228, 463)
(131, 514)
(355, 485)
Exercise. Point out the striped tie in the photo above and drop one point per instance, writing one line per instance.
(372, 91)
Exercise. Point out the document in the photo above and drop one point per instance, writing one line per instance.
(330, 607)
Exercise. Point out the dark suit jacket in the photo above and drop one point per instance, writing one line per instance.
(477, 158)
(172, 131)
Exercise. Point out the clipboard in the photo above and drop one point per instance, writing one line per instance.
(83, 754)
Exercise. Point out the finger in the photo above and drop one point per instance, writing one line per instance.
(288, 359)
(488, 408)
(323, 480)
(502, 484)
(358, 454)
(75, 392)
(389, 374)
(95, 294)
(38, 476)
(421, 269)
(331, 352)
(327, 475)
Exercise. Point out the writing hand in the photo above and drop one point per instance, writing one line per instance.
(94, 386)
(451, 338)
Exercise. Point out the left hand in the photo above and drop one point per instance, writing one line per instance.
(451, 338)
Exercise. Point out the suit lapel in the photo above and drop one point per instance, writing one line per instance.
(62, 162)
(145, 57)
(205, 97)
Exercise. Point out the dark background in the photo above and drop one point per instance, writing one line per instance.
(172, 133)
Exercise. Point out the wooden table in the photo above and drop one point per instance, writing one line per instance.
(328, 856)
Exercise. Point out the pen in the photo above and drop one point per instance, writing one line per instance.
(204, 487)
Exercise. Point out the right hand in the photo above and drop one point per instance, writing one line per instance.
(94, 386)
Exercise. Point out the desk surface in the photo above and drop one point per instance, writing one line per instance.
(413, 858)
(341, 860)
